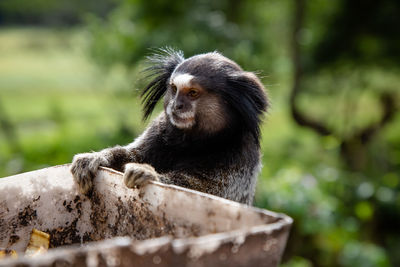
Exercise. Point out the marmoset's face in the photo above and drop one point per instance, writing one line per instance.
(188, 105)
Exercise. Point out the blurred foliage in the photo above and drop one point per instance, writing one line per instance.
(55, 102)
(355, 47)
(49, 12)
(364, 32)
(135, 27)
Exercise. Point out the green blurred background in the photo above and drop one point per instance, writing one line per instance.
(70, 76)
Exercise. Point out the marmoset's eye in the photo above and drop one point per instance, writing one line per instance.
(193, 93)
(173, 87)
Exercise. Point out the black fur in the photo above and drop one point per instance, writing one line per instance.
(176, 150)
(162, 64)
(248, 100)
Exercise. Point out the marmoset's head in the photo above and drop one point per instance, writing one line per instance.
(205, 93)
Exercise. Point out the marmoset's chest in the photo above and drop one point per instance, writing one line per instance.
(206, 158)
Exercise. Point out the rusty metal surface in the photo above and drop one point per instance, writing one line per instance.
(159, 225)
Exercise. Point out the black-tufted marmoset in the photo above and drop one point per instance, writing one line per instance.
(206, 139)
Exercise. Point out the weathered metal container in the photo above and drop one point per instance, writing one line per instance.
(158, 225)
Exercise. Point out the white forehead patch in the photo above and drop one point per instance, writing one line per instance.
(182, 80)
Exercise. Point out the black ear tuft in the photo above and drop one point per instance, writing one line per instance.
(248, 98)
(161, 65)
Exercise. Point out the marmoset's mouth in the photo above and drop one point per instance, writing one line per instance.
(182, 120)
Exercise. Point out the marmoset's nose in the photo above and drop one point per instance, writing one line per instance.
(179, 106)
